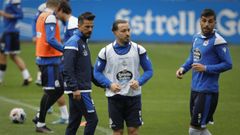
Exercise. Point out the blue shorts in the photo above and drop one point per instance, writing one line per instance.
(10, 43)
(86, 104)
(202, 108)
(124, 108)
(52, 77)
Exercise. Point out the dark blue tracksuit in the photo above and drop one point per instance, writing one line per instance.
(78, 75)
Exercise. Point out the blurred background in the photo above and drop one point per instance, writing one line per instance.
(167, 21)
(165, 28)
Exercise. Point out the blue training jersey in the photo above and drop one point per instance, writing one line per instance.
(10, 23)
(213, 52)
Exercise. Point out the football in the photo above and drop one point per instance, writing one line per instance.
(17, 115)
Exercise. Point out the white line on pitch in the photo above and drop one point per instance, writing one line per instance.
(16, 102)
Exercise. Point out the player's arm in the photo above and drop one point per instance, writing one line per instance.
(98, 70)
(69, 62)
(102, 79)
(98, 75)
(50, 27)
(6, 15)
(146, 66)
(34, 26)
(188, 63)
(18, 13)
(225, 60)
(185, 67)
(68, 34)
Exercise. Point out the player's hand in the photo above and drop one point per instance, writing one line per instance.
(134, 84)
(179, 73)
(77, 95)
(198, 67)
(34, 40)
(1, 13)
(1, 47)
(115, 87)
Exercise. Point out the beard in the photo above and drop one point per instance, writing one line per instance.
(127, 39)
(88, 35)
(206, 31)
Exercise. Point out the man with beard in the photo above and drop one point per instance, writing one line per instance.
(78, 76)
(209, 56)
(117, 69)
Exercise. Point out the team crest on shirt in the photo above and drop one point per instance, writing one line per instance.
(205, 43)
(52, 28)
(85, 53)
(224, 49)
(196, 55)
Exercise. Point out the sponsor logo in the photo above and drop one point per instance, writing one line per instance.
(182, 22)
(196, 55)
(124, 76)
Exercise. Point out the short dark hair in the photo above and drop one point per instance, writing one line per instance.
(208, 12)
(116, 22)
(65, 7)
(86, 16)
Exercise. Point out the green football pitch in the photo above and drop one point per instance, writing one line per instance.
(165, 99)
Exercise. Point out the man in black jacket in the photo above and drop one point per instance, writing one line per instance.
(78, 77)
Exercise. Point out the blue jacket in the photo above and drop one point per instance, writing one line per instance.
(77, 63)
(212, 52)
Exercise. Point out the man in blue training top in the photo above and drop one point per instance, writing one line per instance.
(209, 56)
(117, 69)
(10, 42)
(70, 23)
(78, 76)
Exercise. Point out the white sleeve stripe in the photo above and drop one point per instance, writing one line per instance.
(219, 40)
(49, 88)
(51, 19)
(71, 48)
(142, 50)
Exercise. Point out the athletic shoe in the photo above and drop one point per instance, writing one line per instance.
(60, 121)
(35, 120)
(26, 82)
(44, 129)
(38, 82)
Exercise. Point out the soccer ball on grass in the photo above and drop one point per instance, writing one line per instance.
(17, 115)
